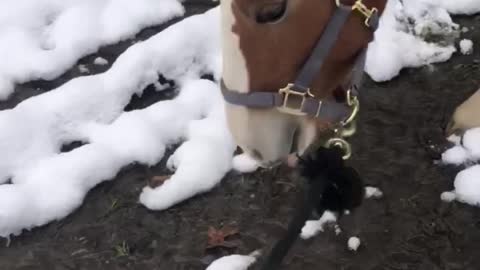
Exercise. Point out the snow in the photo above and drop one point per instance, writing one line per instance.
(448, 196)
(313, 227)
(454, 139)
(353, 243)
(373, 192)
(467, 7)
(37, 41)
(402, 38)
(100, 61)
(83, 69)
(48, 185)
(467, 182)
(234, 262)
(467, 186)
(468, 151)
(245, 164)
(466, 46)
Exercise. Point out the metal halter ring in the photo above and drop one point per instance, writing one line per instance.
(342, 144)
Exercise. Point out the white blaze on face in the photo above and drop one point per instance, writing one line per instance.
(265, 135)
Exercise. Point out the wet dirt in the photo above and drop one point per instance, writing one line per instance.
(409, 228)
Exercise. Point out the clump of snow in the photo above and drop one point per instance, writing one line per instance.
(100, 61)
(412, 33)
(313, 227)
(455, 139)
(48, 185)
(467, 185)
(373, 192)
(466, 46)
(353, 243)
(234, 262)
(467, 182)
(468, 151)
(83, 69)
(41, 39)
(244, 163)
(338, 230)
(448, 196)
(456, 155)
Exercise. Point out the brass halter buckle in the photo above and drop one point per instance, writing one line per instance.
(345, 128)
(365, 11)
(289, 92)
(360, 7)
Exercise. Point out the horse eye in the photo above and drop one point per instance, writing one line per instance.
(271, 12)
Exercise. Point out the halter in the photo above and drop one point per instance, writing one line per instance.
(297, 99)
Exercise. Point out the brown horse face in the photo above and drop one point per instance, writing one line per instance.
(265, 43)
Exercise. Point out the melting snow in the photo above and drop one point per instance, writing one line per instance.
(37, 41)
(402, 39)
(48, 185)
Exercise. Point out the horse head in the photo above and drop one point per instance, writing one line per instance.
(286, 65)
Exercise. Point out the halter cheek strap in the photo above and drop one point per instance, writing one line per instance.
(298, 93)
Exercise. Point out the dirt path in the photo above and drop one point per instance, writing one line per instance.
(410, 228)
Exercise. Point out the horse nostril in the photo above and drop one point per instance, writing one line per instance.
(271, 12)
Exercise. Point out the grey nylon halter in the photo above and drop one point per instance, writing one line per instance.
(329, 110)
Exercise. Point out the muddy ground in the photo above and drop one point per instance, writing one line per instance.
(409, 228)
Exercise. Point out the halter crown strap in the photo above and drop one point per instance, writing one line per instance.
(300, 89)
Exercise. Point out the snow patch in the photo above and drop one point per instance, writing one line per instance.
(42, 39)
(411, 34)
(48, 185)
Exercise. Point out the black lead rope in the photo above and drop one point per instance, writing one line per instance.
(330, 184)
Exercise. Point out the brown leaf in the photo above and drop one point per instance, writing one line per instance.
(158, 180)
(216, 238)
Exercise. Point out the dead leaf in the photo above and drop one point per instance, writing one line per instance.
(216, 238)
(158, 180)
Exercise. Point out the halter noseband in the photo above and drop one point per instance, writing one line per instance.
(306, 103)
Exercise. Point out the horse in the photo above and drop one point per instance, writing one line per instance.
(291, 71)
(465, 116)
